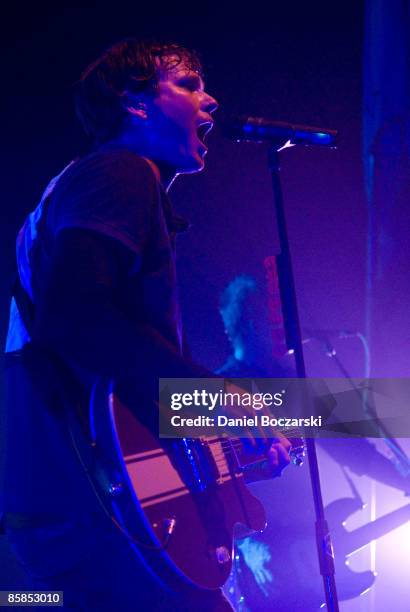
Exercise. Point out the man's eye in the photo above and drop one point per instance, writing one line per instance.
(189, 84)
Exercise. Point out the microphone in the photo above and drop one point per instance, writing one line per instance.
(257, 129)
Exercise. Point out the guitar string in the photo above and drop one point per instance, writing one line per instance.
(290, 433)
(239, 445)
(227, 448)
(227, 453)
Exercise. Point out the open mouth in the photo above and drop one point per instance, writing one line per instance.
(203, 130)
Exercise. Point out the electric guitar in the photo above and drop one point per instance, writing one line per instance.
(178, 502)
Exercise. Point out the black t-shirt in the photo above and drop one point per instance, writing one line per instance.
(102, 277)
(115, 193)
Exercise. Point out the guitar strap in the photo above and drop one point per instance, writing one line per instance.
(73, 389)
(24, 303)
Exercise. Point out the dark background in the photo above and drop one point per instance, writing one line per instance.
(294, 63)
(297, 62)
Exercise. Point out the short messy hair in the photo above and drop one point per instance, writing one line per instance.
(233, 300)
(128, 65)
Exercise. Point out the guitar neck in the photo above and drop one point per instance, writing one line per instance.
(249, 456)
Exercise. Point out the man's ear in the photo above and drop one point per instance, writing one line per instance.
(135, 105)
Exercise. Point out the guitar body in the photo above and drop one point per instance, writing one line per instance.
(178, 501)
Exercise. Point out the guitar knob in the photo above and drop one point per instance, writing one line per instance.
(222, 554)
(169, 525)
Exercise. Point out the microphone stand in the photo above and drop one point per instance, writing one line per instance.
(294, 342)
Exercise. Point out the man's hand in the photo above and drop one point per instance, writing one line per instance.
(276, 459)
(278, 455)
(275, 449)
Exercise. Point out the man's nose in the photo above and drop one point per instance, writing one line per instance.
(209, 104)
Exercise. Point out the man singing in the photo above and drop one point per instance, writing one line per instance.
(97, 295)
